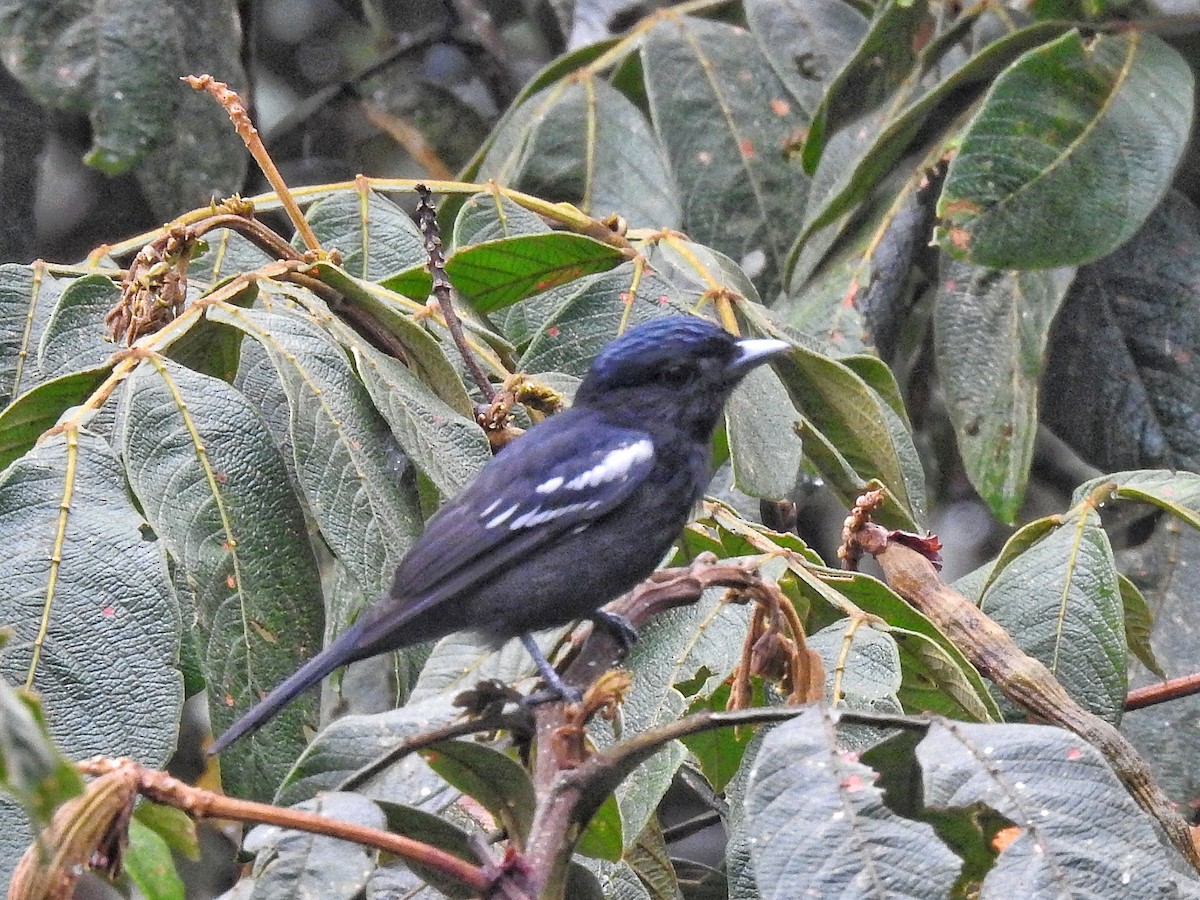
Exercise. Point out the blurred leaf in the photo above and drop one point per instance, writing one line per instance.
(32, 770)
(1079, 832)
(585, 143)
(497, 781)
(1074, 146)
(201, 463)
(376, 238)
(172, 825)
(118, 63)
(341, 447)
(878, 65)
(727, 122)
(28, 294)
(719, 751)
(817, 823)
(198, 157)
(300, 864)
(395, 874)
(32, 414)
(1060, 601)
(148, 864)
(990, 332)
(1123, 367)
(806, 41)
(74, 339)
(497, 273)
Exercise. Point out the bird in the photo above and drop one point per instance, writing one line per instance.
(565, 518)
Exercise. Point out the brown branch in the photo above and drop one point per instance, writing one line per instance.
(1164, 691)
(427, 219)
(1021, 678)
(202, 804)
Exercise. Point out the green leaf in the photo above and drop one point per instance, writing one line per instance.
(1080, 833)
(74, 339)
(1139, 624)
(727, 122)
(298, 864)
(225, 253)
(200, 461)
(173, 825)
(602, 836)
(81, 555)
(1060, 601)
(805, 41)
(120, 64)
(598, 310)
(1074, 146)
(719, 751)
(763, 445)
(861, 664)
(148, 863)
(879, 64)
(449, 448)
(28, 294)
(585, 143)
(396, 876)
(990, 332)
(354, 741)
(376, 238)
(497, 781)
(495, 274)
(936, 676)
(817, 824)
(1123, 368)
(346, 471)
(32, 770)
(461, 660)
(866, 431)
(1176, 492)
(34, 413)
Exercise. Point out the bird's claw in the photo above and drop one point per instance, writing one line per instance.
(618, 626)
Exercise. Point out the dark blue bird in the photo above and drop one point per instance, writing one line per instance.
(566, 518)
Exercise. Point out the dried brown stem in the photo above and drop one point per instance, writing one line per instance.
(1021, 678)
(427, 219)
(240, 116)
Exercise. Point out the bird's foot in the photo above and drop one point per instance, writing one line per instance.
(556, 689)
(618, 626)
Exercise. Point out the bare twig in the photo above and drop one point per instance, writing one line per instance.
(427, 219)
(203, 804)
(1164, 691)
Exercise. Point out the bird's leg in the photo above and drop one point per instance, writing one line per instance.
(618, 626)
(558, 689)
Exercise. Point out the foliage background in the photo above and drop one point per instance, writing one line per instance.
(415, 89)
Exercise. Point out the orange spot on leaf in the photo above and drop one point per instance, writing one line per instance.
(780, 107)
(747, 147)
(960, 238)
(954, 207)
(1005, 837)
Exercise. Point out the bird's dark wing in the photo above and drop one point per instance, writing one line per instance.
(561, 476)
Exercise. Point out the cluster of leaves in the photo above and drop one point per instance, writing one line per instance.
(205, 510)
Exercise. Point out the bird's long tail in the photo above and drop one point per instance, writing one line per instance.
(341, 651)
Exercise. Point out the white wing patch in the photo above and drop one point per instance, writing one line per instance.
(500, 519)
(538, 515)
(615, 466)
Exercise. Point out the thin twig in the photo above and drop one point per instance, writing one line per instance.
(1164, 691)
(203, 804)
(427, 219)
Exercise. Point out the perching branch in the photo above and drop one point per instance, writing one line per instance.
(1164, 691)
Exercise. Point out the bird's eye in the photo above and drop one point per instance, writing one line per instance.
(674, 375)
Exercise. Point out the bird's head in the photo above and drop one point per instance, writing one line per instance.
(675, 371)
